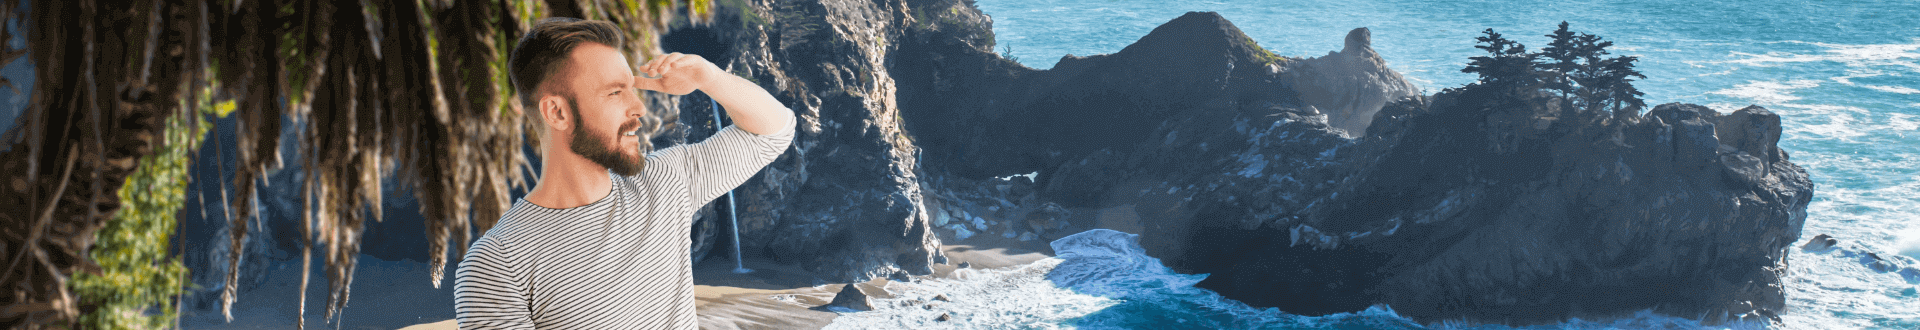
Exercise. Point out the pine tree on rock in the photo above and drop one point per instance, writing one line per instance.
(1562, 59)
(1507, 66)
(1625, 98)
(1591, 92)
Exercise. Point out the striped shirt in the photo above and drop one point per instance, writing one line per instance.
(619, 263)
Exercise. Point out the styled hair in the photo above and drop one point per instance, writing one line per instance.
(544, 50)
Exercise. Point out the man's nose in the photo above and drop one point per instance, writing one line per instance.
(639, 107)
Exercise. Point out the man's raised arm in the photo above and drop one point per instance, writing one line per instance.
(750, 106)
(762, 127)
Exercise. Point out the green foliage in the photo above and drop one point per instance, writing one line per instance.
(138, 281)
(741, 7)
(1507, 65)
(1265, 56)
(1563, 59)
(1006, 52)
(1619, 74)
(1575, 65)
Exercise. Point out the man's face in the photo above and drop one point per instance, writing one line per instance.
(606, 108)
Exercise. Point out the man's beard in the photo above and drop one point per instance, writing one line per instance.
(587, 143)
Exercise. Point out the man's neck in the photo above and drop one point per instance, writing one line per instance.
(568, 180)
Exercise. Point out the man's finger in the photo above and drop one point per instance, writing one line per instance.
(652, 68)
(652, 84)
(670, 62)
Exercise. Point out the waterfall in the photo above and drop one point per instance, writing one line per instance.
(733, 213)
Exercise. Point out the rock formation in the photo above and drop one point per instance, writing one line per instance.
(1351, 84)
(850, 298)
(1442, 214)
(846, 200)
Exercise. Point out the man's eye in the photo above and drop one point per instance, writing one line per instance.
(614, 93)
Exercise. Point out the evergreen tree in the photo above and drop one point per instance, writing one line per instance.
(1562, 59)
(1591, 91)
(1573, 64)
(1619, 73)
(1507, 64)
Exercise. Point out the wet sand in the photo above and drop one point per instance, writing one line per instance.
(774, 297)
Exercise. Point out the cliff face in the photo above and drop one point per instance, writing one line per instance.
(846, 200)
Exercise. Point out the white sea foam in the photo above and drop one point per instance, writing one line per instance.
(1909, 243)
(1768, 92)
(1826, 288)
(1899, 55)
(977, 299)
(1893, 89)
(1831, 126)
(1851, 74)
(1902, 122)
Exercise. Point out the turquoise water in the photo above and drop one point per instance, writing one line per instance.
(1844, 76)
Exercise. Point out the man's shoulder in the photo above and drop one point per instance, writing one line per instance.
(511, 228)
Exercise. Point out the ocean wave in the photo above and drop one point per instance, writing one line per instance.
(1893, 89)
(1852, 55)
(1768, 92)
(1831, 288)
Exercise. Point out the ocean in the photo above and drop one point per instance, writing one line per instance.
(1843, 75)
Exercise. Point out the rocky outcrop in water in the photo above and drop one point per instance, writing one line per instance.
(1454, 208)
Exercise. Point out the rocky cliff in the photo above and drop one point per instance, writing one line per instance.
(846, 201)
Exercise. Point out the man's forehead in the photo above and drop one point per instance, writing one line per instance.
(595, 66)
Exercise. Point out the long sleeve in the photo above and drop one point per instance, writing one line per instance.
(724, 161)
(490, 289)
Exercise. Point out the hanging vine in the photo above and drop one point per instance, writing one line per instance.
(366, 85)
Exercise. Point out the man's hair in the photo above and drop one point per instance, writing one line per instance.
(545, 48)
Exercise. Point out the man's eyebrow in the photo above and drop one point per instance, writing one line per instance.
(615, 84)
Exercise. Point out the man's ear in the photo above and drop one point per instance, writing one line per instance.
(553, 112)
